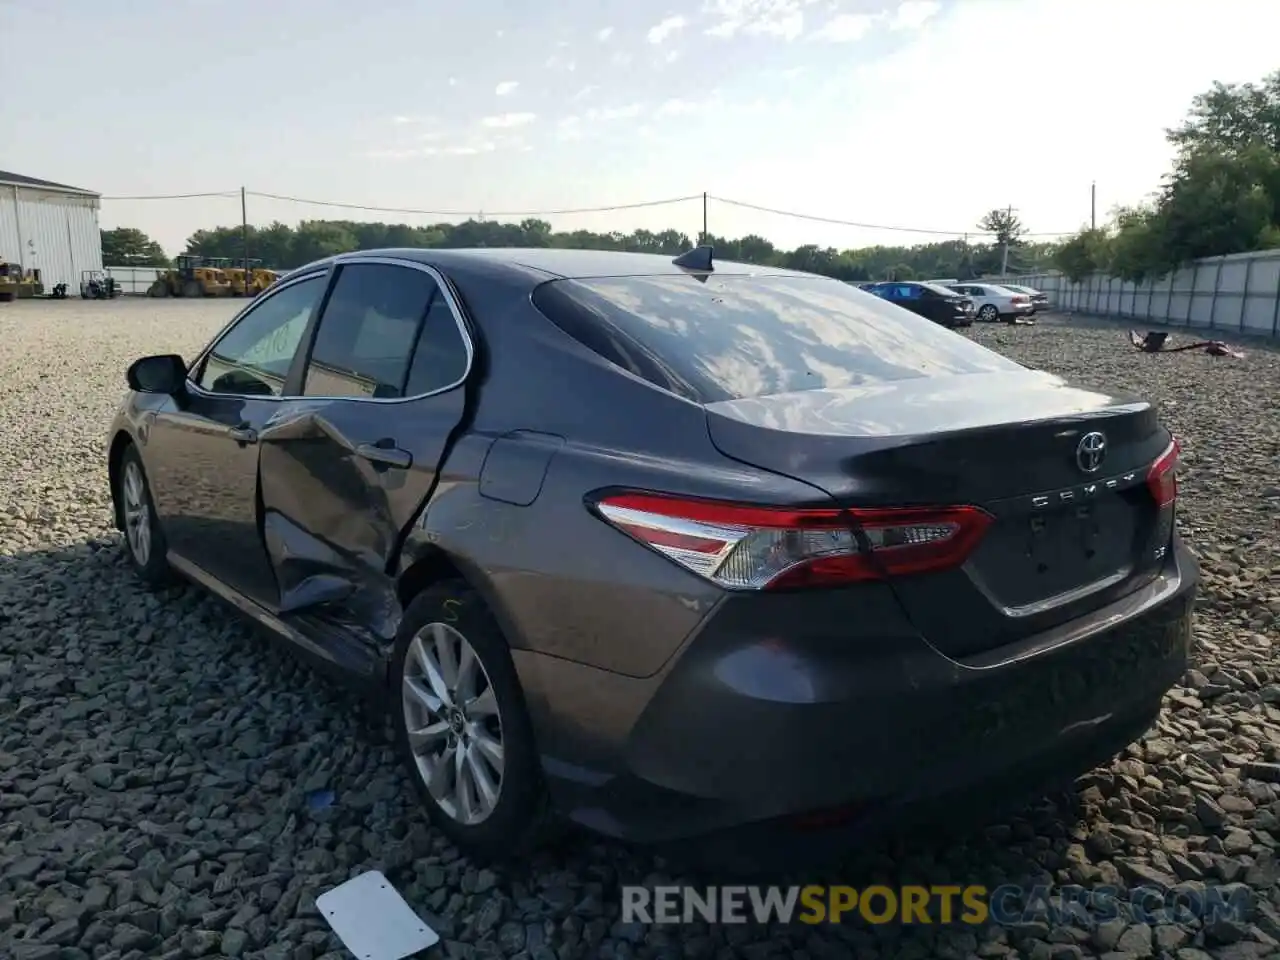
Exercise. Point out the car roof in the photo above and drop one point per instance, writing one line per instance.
(555, 263)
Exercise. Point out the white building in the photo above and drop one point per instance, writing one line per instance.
(50, 227)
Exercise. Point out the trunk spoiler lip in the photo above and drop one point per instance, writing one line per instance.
(1072, 405)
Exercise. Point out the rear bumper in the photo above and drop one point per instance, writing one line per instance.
(771, 713)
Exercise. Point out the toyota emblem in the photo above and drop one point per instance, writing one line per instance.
(1091, 451)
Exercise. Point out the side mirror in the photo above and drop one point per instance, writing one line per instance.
(165, 373)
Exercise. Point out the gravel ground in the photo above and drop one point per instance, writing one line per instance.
(157, 761)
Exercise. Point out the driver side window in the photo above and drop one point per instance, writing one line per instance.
(254, 356)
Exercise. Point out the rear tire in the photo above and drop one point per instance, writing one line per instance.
(144, 541)
(453, 684)
(988, 313)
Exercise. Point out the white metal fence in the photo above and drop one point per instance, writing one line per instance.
(1238, 293)
(133, 281)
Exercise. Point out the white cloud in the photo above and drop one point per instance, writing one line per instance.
(671, 57)
(616, 113)
(621, 59)
(506, 87)
(453, 81)
(403, 120)
(668, 27)
(505, 121)
(604, 34)
(783, 19)
(845, 28)
(584, 93)
(679, 108)
(469, 149)
(569, 128)
(913, 14)
(557, 62)
(450, 150)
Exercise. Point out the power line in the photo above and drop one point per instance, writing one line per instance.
(871, 226)
(469, 213)
(796, 215)
(178, 196)
(842, 223)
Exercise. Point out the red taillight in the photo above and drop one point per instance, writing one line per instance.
(1162, 478)
(1021, 299)
(744, 547)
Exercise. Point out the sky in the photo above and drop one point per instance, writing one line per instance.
(919, 114)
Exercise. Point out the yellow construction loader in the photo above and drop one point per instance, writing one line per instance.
(192, 276)
(252, 282)
(10, 280)
(17, 285)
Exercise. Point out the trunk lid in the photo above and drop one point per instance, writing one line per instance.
(1065, 539)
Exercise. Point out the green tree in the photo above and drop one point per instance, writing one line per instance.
(1004, 224)
(1232, 117)
(1084, 254)
(285, 247)
(1222, 195)
(129, 247)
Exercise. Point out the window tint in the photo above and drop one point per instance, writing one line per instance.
(743, 337)
(367, 332)
(254, 356)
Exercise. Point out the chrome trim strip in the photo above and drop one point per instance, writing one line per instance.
(450, 298)
(1070, 596)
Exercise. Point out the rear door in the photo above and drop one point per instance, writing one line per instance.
(348, 464)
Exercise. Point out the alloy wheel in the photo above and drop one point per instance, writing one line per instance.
(137, 513)
(453, 723)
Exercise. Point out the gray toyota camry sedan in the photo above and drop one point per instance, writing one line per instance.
(669, 548)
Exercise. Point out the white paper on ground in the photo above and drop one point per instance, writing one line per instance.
(373, 920)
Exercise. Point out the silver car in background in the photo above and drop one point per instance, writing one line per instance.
(1039, 299)
(993, 302)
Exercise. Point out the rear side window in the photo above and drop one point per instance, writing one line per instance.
(386, 332)
(742, 337)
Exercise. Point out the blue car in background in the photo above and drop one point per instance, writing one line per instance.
(942, 306)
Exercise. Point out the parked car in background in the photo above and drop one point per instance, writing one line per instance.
(800, 556)
(1039, 299)
(938, 304)
(993, 302)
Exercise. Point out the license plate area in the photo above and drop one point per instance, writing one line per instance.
(1034, 556)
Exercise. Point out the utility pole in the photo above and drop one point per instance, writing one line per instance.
(704, 216)
(244, 236)
(1004, 258)
(1093, 205)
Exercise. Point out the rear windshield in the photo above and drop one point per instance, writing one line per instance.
(743, 337)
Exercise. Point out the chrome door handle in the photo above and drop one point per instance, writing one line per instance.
(244, 435)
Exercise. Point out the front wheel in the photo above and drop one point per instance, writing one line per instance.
(143, 538)
(462, 730)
